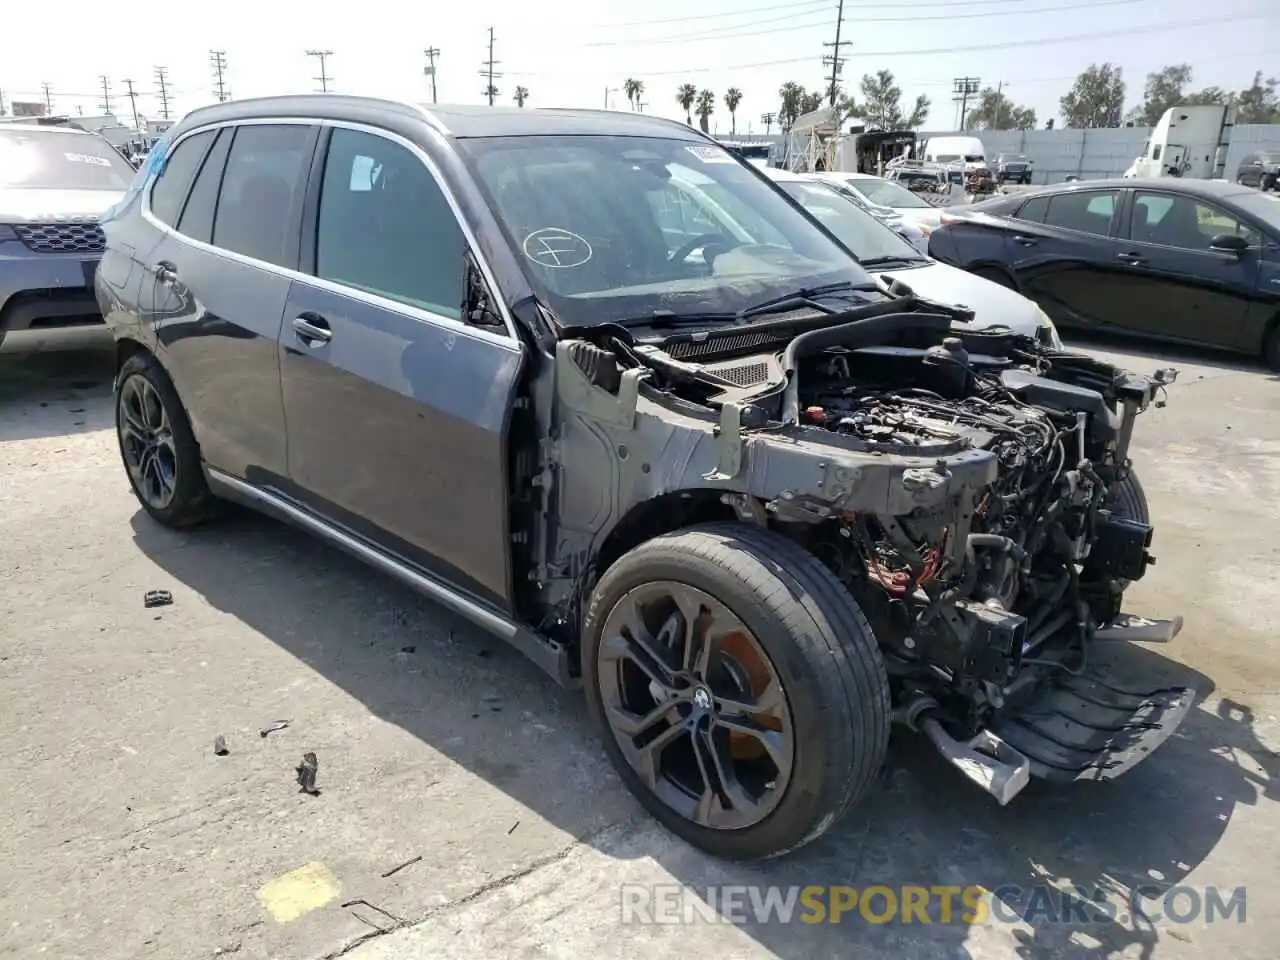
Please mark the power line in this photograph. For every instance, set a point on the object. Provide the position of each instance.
(486, 69)
(962, 88)
(430, 68)
(324, 78)
(722, 34)
(133, 102)
(218, 60)
(972, 48)
(106, 93)
(162, 82)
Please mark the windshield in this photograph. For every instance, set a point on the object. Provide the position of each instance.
(38, 159)
(867, 237)
(611, 228)
(886, 193)
(1264, 206)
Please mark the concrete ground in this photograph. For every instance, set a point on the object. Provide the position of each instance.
(465, 807)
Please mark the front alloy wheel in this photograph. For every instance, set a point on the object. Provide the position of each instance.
(695, 705)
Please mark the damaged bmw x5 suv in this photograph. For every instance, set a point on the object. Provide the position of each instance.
(594, 383)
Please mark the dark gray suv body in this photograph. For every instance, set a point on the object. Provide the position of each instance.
(55, 182)
(596, 384)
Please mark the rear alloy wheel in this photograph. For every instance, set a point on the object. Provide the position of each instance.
(739, 689)
(157, 446)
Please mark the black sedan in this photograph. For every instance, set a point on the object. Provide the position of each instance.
(1191, 261)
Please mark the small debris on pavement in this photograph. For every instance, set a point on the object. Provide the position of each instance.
(408, 649)
(483, 653)
(307, 771)
(277, 725)
(220, 746)
(157, 598)
(513, 828)
(401, 866)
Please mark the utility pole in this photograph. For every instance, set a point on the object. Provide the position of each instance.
(607, 91)
(835, 61)
(962, 88)
(1, 102)
(324, 78)
(218, 59)
(106, 93)
(162, 81)
(133, 101)
(430, 68)
(768, 120)
(999, 102)
(48, 99)
(486, 70)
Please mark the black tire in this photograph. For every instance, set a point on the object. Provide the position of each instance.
(824, 656)
(1128, 500)
(1271, 348)
(191, 502)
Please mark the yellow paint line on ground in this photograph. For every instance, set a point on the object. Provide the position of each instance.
(300, 891)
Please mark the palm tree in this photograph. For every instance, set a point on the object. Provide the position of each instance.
(521, 95)
(705, 108)
(634, 89)
(686, 93)
(491, 92)
(733, 97)
(790, 93)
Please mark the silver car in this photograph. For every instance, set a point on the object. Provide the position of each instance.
(55, 182)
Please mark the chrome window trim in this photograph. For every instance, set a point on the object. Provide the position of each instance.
(508, 339)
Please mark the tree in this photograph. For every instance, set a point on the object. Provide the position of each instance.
(881, 107)
(995, 111)
(1096, 99)
(810, 101)
(520, 96)
(706, 106)
(791, 94)
(1258, 102)
(1164, 88)
(732, 98)
(686, 93)
(491, 92)
(634, 89)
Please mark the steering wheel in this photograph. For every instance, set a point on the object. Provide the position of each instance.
(703, 240)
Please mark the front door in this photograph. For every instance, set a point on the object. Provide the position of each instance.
(1190, 292)
(396, 409)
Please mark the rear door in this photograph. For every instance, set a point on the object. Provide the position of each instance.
(1182, 289)
(397, 409)
(1062, 250)
(219, 280)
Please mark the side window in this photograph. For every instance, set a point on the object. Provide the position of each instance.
(1155, 153)
(197, 215)
(1089, 212)
(170, 188)
(385, 227)
(1034, 210)
(262, 191)
(1182, 222)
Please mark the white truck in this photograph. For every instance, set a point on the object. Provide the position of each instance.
(1187, 142)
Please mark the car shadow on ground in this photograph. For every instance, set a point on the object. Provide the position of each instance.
(51, 393)
(920, 825)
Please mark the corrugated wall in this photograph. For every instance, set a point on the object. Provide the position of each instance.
(1088, 154)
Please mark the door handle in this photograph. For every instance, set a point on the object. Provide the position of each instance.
(1024, 240)
(1134, 258)
(165, 271)
(312, 330)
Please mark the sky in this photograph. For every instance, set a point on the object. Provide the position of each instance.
(578, 53)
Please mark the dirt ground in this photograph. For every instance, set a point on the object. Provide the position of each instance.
(444, 754)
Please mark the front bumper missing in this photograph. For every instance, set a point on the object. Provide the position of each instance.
(1076, 727)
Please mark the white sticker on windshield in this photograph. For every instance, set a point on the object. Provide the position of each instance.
(88, 158)
(711, 154)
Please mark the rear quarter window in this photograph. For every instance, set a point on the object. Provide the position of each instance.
(169, 191)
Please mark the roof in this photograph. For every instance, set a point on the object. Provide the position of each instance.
(454, 120)
(1207, 189)
(44, 128)
(784, 176)
(846, 175)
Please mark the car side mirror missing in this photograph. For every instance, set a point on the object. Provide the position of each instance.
(478, 308)
(1230, 243)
